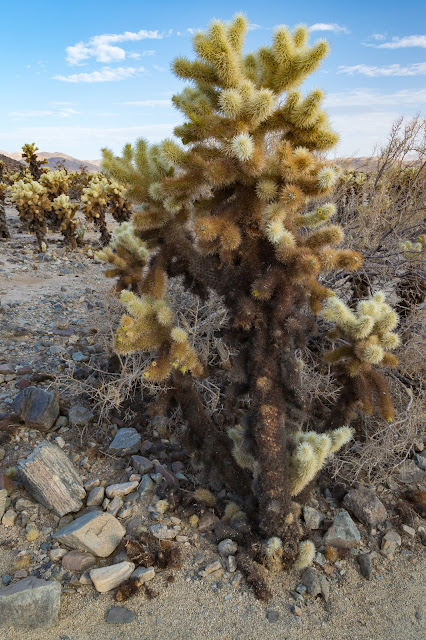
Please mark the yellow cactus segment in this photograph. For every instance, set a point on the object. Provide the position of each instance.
(272, 552)
(242, 147)
(306, 555)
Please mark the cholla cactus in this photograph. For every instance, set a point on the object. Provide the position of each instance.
(56, 182)
(65, 211)
(94, 201)
(4, 232)
(240, 206)
(34, 164)
(128, 256)
(32, 201)
(367, 337)
(119, 206)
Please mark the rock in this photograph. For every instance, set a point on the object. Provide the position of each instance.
(9, 518)
(85, 578)
(272, 616)
(142, 464)
(343, 533)
(207, 521)
(126, 442)
(6, 579)
(121, 489)
(80, 416)
(114, 506)
(3, 499)
(365, 567)
(49, 476)
(78, 561)
(108, 578)
(2, 453)
(390, 542)
(97, 532)
(23, 383)
(410, 472)
(78, 356)
(366, 506)
(146, 486)
(6, 483)
(95, 497)
(31, 603)
(316, 583)
(65, 520)
(408, 530)
(231, 564)
(161, 532)
(57, 554)
(213, 566)
(120, 615)
(22, 573)
(312, 517)
(420, 459)
(91, 484)
(168, 476)
(6, 369)
(144, 574)
(227, 548)
(39, 409)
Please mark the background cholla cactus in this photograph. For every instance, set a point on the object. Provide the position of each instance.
(32, 201)
(34, 164)
(4, 233)
(94, 204)
(56, 182)
(119, 206)
(241, 208)
(65, 211)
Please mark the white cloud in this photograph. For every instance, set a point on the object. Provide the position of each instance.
(378, 36)
(103, 47)
(416, 69)
(148, 103)
(402, 43)
(322, 26)
(370, 98)
(254, 27)
(360, 132)
(43, 113)
(141, 54)
(106, 74)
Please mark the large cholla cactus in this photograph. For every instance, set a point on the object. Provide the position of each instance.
(119, 206)
(241, 208)
(32, 201)
(64, 211)
(34, 164)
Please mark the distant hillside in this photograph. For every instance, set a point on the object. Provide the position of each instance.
(10, 163)
(58, 158)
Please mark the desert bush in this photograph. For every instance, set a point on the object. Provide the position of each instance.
(229, 212)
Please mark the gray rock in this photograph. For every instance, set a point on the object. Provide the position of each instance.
(144, 574)
(78, 561)
(227, 548)
(364, 561)
(161, 532)
(9, 518)
(126, 442)
(78, 356)
(121, 489)
(390, 542)
(316, 583)
(3, 498)
(108, 578)
(39, 409)
(142, 464)
(312, 517)
(95, 497)
(97, 532)
(207, 521)
(410, 472)
(366, 506)
(272, 616)
(146, 486)
(120, 615)
(114, 506)
(343, 533)
(80, 416)
(231, 564)
(30, 604)
(49, 476)
(420, 459)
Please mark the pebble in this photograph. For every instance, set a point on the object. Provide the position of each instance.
(161, 532)
(9, 518)
(56, 554)
(365, 567)
(316, 583)
(312, 517)
(97, 532)
(107, 578)
(142, 464)
(409, 530)
(207, 521)
(214, 566)
(114, 506)
(121, 489)
(38, 408)
(390, 542)
(343, 532)
(78, 561)
(144, 574)
(120, 615)
(80, 416)
(366, 506)
(95, 496)
(227, 548)
(231, 564)
(272, 616)
(126, 442)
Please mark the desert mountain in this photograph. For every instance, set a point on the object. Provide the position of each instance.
(58, 158)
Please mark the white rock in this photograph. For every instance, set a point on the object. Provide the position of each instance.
(121, 489)
(144, 574)
(96, 532)
(108, 578)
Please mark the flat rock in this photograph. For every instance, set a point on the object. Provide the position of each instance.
(80, 416)
(120, 615)
(115, 505)
(78, 561)
(97, 532)
(390, 542)
(343, 532)
(126, 442)
(108, 578)
(50, 477)
(38, 408)
(312, 517)
(144, 574)
(142, 464)
(121, 489)
(366, 506)
(316, 583)
(95, 497)
(365, 568)
(31, 603)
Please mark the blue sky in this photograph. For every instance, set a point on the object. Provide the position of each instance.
(81, 75)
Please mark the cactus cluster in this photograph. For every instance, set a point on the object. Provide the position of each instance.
(241, 206)
(32, 201)
(102, 195)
